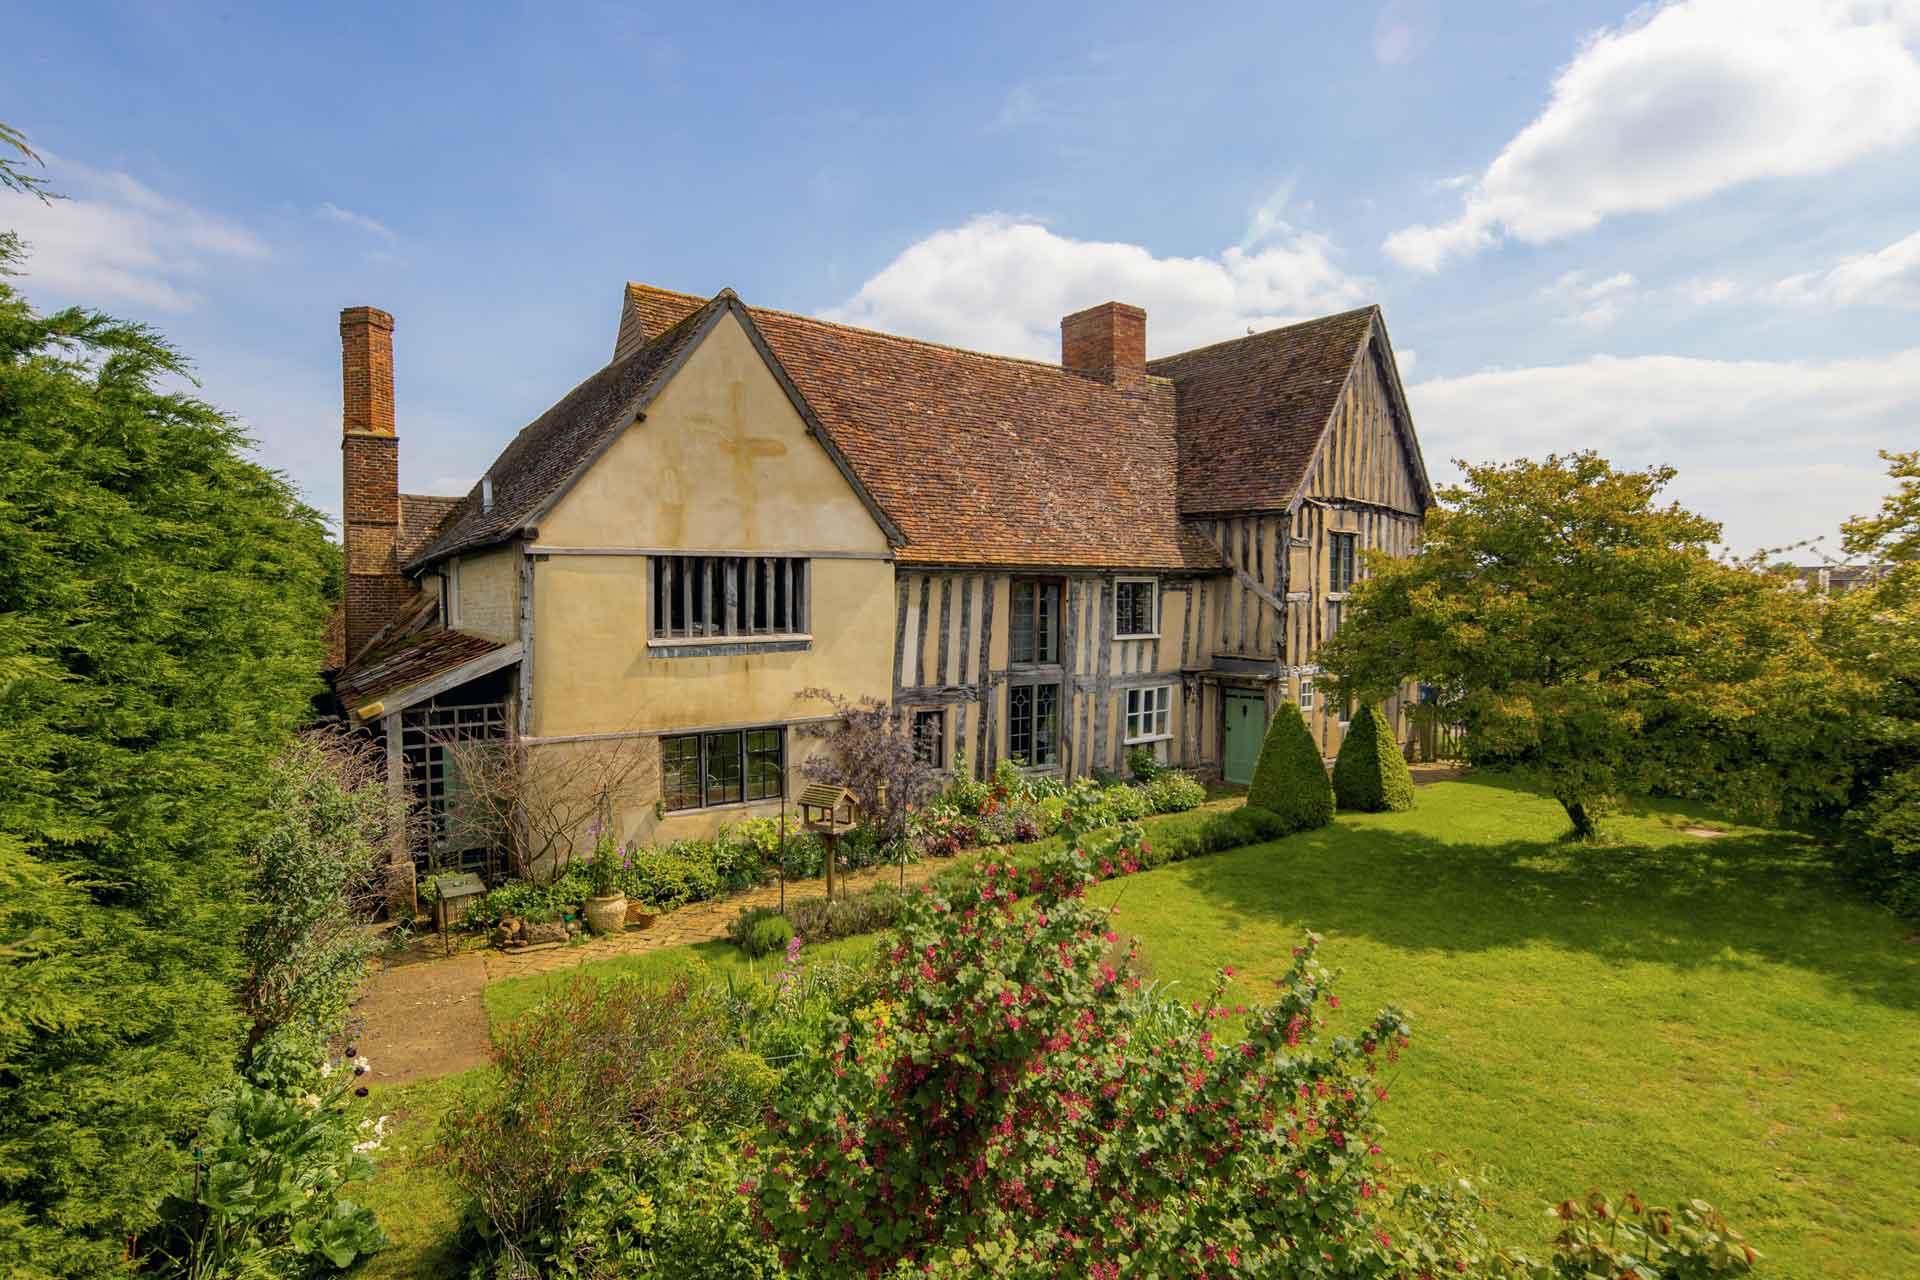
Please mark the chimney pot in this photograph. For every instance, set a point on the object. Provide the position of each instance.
(1107, 342)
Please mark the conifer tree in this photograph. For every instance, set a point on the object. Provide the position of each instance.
(161, 611)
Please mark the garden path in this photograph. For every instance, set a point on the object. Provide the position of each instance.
(424, 1013)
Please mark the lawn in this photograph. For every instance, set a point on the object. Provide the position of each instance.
(1677, 1015)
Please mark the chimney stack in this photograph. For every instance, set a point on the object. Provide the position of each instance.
(1107, 342)
(370, 476)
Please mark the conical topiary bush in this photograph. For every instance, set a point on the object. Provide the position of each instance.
(1290, 781)
(1371, 776)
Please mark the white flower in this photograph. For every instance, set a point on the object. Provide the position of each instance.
(312, 1100)
(326, 1069)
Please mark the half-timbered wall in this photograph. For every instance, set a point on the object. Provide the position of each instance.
(1275, 607)
(952, 652)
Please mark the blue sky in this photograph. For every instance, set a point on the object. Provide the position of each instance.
(1685, 233)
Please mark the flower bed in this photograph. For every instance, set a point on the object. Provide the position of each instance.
(1008, 809)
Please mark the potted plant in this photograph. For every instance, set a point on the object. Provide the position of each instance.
(606, 908)
(641, 914)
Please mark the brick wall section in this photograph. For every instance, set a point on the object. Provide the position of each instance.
(1108, 342)
(370, 475)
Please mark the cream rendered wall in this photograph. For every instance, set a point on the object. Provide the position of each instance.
(722, 463)
(489, 583)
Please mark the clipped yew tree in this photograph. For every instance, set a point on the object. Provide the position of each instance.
(1371, 776)
(1290, 781)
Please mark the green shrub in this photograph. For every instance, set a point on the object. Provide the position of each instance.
(1290, 781)
(1143, 764)
(742, 924)
(1126, 804)
(266, 1194)
(597, 1075)
(768, 936)
(818, 920)
(1598, 1237)
(1370, 775)
(671, 1212)
(1173, 791)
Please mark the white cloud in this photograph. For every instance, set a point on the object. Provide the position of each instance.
(1777, 450)
(1687, 99)
(116, 239)
(1398, 33)
(372, 226)
(1001, 283)
(1596, 303)
(1706, 291)
(1890, 276)
(1406, 358)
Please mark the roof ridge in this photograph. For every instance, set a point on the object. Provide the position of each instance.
(1266, 333)
(875, 333)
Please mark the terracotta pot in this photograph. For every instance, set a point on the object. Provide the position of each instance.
(640, 916)
(608, 914)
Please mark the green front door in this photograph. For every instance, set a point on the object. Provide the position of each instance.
(1246, 729)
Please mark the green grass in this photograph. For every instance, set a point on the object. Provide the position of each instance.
(416, 1204)
(1679, 1016)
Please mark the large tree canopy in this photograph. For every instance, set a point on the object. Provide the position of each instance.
(1585, 634)
(161, 614)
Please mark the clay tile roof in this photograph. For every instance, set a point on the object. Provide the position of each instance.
(1252, 410)
(979, 459)
(421, 515)
(408, 661)
(552, 448)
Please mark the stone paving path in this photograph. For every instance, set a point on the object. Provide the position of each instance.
(424, 1013)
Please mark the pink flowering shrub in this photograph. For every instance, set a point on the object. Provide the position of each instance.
(1008, 1100)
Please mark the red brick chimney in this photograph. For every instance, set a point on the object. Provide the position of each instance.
(1108, 342)
(370, 475)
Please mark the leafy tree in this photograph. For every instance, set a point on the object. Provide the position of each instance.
(1876, 635)
(1595, 644)
(1290, 779)
(1893, 534)
(1371, 776)
(160, 635)
(12, 177)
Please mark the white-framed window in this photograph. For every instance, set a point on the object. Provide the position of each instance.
(1136, 610)
(1148, 712)
(1306, 693)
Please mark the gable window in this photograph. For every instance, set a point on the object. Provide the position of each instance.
(1033, 723)
(930, 738)
(704, 596)
(1343, 563)
(698, 770)
(1134, 613)
(1147, 713)
(1033, 633)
